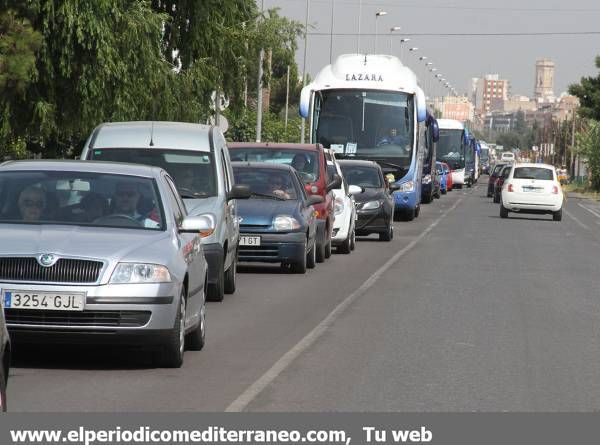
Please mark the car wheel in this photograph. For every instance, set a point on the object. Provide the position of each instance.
(3, 383)
(388, 235)
(353, 239)
(427, 199)
(320, 246)
(216, 291)
(172, 354)
(311, 257)
(444, 191)
(503, 211)
(328, 248)
(346, 246)
(195, 340)
(300, 265)
(410, 215)
(230, 277)
(438, 194)
(557, 216)
(417, 211)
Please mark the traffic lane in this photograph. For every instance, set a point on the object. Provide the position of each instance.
(247, 333)
(585, 212)
(485, 314)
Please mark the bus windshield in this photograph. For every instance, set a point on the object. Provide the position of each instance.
(485, 154)
(365, 124)
(450, 148)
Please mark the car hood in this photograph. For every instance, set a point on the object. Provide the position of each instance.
(370, 194)
(197, 207)
(105, 244)
(262, 211)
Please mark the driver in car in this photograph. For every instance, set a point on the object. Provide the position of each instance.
(277, 187)
(392, 137)
(125, 203)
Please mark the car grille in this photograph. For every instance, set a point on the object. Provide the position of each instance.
(265, 251)
(74, 318)
(66, 270)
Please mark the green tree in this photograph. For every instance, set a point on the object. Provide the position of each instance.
(99, 61)
(588, 145)
(18, 46)
(588, 92)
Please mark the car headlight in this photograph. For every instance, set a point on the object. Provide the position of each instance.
(338, 206)
(371, 205)
(407, 186)
(426, 179)
(140, 273)
(285, 222)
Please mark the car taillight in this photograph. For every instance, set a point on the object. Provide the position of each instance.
(510, 188)
(555, 190)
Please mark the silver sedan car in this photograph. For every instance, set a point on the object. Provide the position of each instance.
(101, 252)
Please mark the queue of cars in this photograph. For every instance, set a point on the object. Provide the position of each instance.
(126, 245)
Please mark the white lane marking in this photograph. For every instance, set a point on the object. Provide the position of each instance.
(593, 212)
(570, 215)
(286, 360)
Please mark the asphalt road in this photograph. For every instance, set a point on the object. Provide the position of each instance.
(462, 311)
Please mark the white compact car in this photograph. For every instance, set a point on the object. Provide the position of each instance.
(532, 188)
(343, 235)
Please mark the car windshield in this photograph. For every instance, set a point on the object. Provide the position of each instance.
(365, 124)
(77, 198)
(544, 174)
(306, 162)
(266, 182)
(367, 177)
(450, 148)
(192, 171)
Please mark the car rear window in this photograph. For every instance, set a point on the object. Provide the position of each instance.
(544, 174)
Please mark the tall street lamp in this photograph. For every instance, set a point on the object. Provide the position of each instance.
(377, 15)
(392, 30)
(402, 42)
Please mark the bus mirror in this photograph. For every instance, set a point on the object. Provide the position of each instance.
(421, 104)
(435, 131)
(304, 102)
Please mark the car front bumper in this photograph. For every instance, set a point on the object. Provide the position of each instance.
(405, 200)
(372, 221)
(112, 313)
(274, 247)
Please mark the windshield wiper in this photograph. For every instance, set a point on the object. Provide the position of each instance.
(390, 164)
(194, 195)
(264, 195)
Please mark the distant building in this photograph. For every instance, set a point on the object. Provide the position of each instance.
(565, 106)
(544, 81)
(459, 108)
(490, 92)
(519, 103)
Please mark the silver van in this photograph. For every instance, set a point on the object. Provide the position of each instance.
(197, 158)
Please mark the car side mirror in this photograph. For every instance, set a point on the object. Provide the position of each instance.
(314, 199)
(355, 190)
(239, 191)
(202, 224)
(394, 187)
(335, 184)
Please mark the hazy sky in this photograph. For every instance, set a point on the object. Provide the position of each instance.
(460, 57)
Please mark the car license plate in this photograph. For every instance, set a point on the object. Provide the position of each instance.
(249, 240)
(533, 189)
(17, 299)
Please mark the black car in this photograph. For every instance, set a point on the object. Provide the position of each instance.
(492, 179)
(278, 223)
(374, 200)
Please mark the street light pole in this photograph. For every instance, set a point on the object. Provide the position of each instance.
(377, 15)
(303, 121)
(395, 28)
(359, 20)
(331, 31)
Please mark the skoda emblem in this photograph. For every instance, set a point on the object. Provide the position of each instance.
(47, 259)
